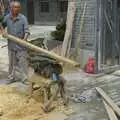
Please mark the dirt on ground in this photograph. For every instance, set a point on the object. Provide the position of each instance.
(14, 106)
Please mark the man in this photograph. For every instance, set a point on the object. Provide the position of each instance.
(17, 26)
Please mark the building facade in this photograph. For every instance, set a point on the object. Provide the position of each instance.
(46, 12)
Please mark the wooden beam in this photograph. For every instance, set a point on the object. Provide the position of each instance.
(38, 49)
(110, 112)
(69, 26)
(109, 101)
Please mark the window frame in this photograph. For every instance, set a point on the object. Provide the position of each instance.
(44, 8)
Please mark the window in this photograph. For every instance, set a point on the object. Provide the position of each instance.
(44, 5)
(63, 6)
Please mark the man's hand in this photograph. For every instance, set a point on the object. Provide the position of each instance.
(26, 36)
(4, 32)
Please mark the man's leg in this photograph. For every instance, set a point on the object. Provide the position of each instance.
(12, 62)
(23, 64)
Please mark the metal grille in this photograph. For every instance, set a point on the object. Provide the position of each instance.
(100, 30)
(88, 34)
(85, 25)
(110, 42)
(108, 29)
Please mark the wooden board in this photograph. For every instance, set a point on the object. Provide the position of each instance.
(69, 26)
(110, 112)
(109, 101)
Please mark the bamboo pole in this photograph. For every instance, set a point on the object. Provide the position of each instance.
(110, 112)
(38, 49)
(69, 26)
(109, 101)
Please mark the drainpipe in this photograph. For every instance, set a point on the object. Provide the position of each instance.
(98, 35)
(114, 37)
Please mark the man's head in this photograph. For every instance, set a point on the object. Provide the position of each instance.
(15, 7)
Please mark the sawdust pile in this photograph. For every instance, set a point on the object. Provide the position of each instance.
(14, 106)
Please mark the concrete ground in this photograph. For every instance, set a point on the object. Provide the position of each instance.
(85, 100)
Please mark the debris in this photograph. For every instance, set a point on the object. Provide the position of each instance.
(86, 96)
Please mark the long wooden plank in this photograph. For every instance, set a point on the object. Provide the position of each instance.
(69, 26)
(110, 112)
(38, 49)
(109, 101)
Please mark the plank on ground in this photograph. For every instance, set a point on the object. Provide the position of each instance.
(109, 101)
(110, 112)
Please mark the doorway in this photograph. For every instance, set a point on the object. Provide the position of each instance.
(30, 11)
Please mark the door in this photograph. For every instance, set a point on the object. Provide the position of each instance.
(30, 11)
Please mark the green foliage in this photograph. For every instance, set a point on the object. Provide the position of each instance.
(60, 32)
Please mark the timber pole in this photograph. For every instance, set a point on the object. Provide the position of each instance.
(108, 100)
(38, 49)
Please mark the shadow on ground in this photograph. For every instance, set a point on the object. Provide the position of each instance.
(3, 74)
